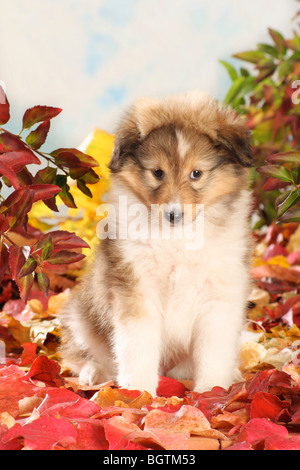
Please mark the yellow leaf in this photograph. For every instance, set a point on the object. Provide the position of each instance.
(56, 301)
(279, 260)
(257, 262)
(83, 220)
(294, 241)
(251, 355)
(101, 148)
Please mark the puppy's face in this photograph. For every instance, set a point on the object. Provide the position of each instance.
(177, 167)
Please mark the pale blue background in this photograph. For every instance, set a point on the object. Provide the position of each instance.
(93, 57)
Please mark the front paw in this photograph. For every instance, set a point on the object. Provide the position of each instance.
(90, 374)
(138, 384)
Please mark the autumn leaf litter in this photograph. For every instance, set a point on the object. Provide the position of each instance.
(42, 407)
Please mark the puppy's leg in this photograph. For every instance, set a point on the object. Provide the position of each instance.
(137, 345)
(85, 349)
(216, 345)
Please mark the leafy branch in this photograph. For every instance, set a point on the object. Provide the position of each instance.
(268, 96)
(28, 262)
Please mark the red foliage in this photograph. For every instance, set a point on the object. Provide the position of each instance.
(16, 154)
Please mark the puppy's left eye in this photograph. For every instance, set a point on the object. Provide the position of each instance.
(159, 174)
(196, 175)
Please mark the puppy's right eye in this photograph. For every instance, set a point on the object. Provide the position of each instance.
(159, 174)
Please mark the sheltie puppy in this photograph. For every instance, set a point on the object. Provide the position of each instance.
(173, 305)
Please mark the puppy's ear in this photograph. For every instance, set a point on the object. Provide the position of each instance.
(235, 139)
(126, 141)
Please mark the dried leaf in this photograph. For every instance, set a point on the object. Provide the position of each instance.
(38, 114)
(37, 137)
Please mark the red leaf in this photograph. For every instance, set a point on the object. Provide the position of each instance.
(274, 183)
(17, 159)
(294, 258)
(279, 443)
(38, 114)
(274, 250)
(28, 354)
(4, 258)
(10, 174)
(90, 436)
(168, 387)
(43, 433)
(257, 430)
(45, 370)
(65, 257)
(44, 191)
(43, 282)
(71, 157)
(67, 404)
(266, 405)
(240, 446)
(67, 240)
(116, 433)
(12, 200)
(4, 107)
(37, 137)
(16, 260)
(14, 387)
(25, 284)
(45, 176)
(10, 142)
(28, 267)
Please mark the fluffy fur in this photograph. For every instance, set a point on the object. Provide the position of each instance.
(151, 307)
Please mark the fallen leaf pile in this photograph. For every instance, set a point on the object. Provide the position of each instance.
(42, 407)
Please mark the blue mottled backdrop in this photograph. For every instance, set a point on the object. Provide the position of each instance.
(93, 57)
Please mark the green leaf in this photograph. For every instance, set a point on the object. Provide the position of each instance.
(65, 257)
(67, 197)
(37, 137)
(278, 40)
(90, 177)
(239, 89)
(295, 56)
(284, 69)
(267, 49)
(71, 157)
(28, 267)
(285, 157)
(60, 180)
(230, 69)
(266, 68)
(25, 284)
(250, 56)
(290, 216)
(83, 188)
(244, 72)
(276, 171)
(48, 248)
(46, 175)
(286, 201)
(43, 282)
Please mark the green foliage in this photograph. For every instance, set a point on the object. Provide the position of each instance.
(268, 95)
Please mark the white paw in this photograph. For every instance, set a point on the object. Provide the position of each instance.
(90, 374)
(139, 385)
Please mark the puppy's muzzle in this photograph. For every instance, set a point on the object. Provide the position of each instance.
(174, 216)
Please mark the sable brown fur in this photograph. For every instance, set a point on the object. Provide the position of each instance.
(141, 310)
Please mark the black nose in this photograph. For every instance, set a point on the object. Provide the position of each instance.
(173, 216)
